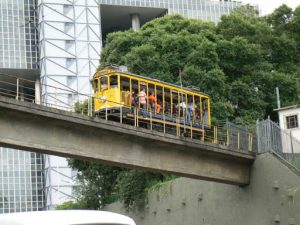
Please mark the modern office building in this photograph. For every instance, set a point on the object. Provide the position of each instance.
(21, 181)
(58, 43)
(28, 181)
(21, 177)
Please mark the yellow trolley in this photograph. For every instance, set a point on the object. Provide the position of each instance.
(119, 94)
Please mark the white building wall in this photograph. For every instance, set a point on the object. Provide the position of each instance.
(290, 144)
(59, 181)
(70, 44)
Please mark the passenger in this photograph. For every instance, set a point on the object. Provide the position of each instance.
(197, 116)
(152, 100)
(205, 116)
(174, 110)
(134, 100)
(167, 108)
(190, 108)
(158, 107)
(143, 101)
(182, 107)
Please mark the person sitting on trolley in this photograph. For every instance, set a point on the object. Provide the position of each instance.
(158, 107)
(134, 100)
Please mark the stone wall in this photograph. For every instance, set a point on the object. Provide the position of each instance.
(273, 197)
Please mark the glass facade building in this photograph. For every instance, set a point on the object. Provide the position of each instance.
(207, 10)
(21, 181)
(21, 177)
(18, 34)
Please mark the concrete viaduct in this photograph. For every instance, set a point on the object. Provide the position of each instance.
(31, 127)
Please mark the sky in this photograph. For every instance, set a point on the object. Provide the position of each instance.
(267, 6)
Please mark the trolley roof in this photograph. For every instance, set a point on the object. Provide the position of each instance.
(110, 71)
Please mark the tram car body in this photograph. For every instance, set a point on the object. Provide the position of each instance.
(118, 93)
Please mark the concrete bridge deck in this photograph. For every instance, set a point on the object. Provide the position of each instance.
(31, 127)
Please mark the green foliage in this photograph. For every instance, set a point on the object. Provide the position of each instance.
(281, 19)
(238, 57)
(163, 47)
(83, 107)
(244, 22)
(100, 185)
(96, 183)
(71, 205)
(238, 62)
(133, 186)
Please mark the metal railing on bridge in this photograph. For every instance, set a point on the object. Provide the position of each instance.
(234, 137)
(271, 138)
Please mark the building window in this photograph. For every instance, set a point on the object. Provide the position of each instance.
(291, 122)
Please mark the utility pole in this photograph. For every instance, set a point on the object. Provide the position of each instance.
(278, 98)
(181, 103)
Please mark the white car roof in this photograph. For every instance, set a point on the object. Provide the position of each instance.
(65, 217)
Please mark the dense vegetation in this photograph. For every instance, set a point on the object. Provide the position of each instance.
(239, 62)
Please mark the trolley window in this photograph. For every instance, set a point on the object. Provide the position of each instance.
(151, 97)
(96, 85)
(174, 103)
(113, 81)
(198, 109)
(190, 108)
(167, 101)
(125, 90)
(103, 83)
(205, 110)
(160, 99)
(134, 92)
(125, 83)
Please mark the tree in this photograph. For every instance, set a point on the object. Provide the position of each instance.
(100, 185)
(96, 183)
(244, 22)
(284, 54)
(164, 47)
(296, 25)
(238, 57)
(281, 19)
